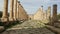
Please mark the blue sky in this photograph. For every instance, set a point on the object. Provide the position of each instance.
(31, 6)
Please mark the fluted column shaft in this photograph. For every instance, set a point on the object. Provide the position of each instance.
(15, 9)
(18, 9)
(11, 10)
(5, 12)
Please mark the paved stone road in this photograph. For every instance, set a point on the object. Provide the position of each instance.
(29, 27)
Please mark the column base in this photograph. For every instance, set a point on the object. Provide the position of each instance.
(4, 19)
(18, 19)
(15, 19)
(11, 19)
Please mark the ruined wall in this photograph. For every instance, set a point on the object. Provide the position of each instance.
(38, 15)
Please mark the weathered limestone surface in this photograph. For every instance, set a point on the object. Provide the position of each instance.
(15, 9)
(11, 10)
(43, 15)
(5, 11)
(54, 13)
(49, 13)
(25, 16)
(19, 12)
(39, 14)
(18, 9)
(22, 14)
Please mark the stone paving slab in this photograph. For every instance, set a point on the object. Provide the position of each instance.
(29, 31)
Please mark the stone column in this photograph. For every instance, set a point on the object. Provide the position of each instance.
(49, 13)
(11, 10)
(15, 10)
(5, 11)
(18, 9)
(54, 13)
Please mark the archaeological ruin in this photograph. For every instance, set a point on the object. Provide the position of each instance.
(17, 15)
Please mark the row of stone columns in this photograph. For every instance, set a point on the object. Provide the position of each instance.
(54, 14)
(22, 13)
(48, 14)
(15, 9)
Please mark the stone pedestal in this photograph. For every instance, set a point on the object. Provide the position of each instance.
(4, 19)
(11, 10)
(5, 12)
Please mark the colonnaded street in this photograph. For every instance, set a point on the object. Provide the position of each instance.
(16, 18)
